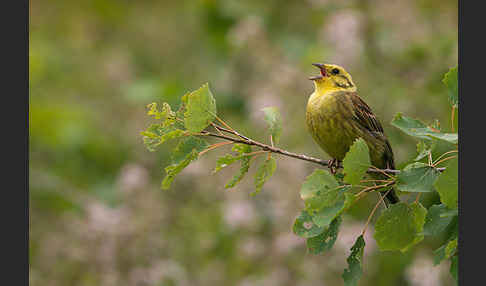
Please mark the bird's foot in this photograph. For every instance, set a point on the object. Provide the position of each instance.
(332, 165)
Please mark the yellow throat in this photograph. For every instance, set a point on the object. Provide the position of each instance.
(333, 78)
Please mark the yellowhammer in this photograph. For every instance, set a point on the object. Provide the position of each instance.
(336, 116)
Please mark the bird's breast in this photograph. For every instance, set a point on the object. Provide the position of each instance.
(328, 122)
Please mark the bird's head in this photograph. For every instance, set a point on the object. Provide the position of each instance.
(333, 77)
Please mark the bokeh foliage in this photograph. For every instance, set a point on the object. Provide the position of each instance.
(327, 196)
(97, 214)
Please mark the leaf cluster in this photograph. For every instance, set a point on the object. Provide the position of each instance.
(189, 126)
(400, 226)
(328, 196)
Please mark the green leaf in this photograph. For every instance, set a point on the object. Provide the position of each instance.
(423, 150)
(449, 213)
(324, 241)
(274, 120)
(450, 80)
(412, 127)
(163, 114)
(229, 159)
(304, 227)
(446, 251)
(449, 137)
(185, 152)
(453, 269)
(354, 271)
(451, 232)
(447, 184)
(241, 148)
(245, 164)
(264, 172)
(349, 199)
(400, 226)
(419, 215)
(417, 128)
(166, 114)
(186, 146)
(435, 223)
(324, 198)
(153, 110)
(356, 162)
(333, 203)
(157, 134)
(176, 133)
(225, 161)
(175, 169)
(200, 109)
(316, 189)
(150, 139)
(327, 214)
(439, 254)
(451, 248)
(417, 177)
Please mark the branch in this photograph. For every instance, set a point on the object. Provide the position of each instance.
(376, 187)
(245, 140)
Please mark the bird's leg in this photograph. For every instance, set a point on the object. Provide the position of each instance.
(332, 165)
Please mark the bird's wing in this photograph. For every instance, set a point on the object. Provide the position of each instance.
(364, 116)
(366, 119)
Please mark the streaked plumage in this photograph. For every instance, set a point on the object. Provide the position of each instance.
(336, 116)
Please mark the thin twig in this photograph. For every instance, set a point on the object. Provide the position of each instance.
(265, 147)
(224, 123)
(452, 117)
(408, 196)
(382, 172)
(234, 132)
(382, 199)
(453, 151)
(375, 187)
(214, 146)
(381, 181)
(443, 160)
(417, 198)
(245, 140)
(359, 198)
(254, 153)
(214, 125)
(373, 212)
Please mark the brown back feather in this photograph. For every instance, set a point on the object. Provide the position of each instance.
(367, 120)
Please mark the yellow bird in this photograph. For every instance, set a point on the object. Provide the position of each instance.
(336, 116)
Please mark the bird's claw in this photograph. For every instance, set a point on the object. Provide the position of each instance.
(332, 165)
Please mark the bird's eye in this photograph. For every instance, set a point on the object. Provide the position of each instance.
(335, 71)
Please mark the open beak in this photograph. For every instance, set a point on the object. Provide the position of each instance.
(322, 67)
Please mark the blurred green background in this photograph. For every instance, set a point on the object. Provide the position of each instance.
(97, 214)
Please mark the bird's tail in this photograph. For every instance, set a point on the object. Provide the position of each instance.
(390, 197)
(389, 194)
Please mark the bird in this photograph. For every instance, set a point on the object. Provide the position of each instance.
(336, 116)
